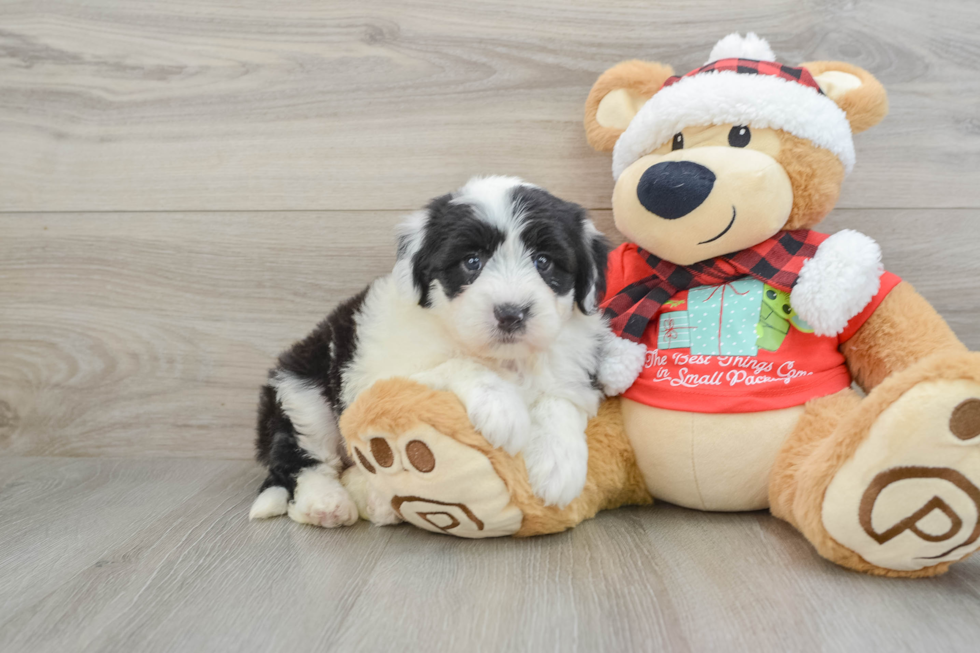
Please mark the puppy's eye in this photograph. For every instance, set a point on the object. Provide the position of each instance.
(739, 136)
(473, 263)
(542, 262)
(678, 143)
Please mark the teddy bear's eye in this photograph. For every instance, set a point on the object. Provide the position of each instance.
(739, 136)
(678, 143)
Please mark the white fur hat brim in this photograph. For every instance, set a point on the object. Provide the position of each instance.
(723, 97)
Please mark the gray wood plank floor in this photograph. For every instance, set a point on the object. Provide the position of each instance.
(158, 555)
(187, 187)
(165, 323)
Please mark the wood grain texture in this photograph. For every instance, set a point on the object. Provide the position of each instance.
(137, 555)
(248, 105)
(187, 187)
(164, 324)
(149, 334)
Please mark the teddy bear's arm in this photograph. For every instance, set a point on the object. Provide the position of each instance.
(904, 329)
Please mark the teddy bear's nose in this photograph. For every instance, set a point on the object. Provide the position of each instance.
(672, 189)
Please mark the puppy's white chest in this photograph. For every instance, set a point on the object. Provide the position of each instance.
(522, 375)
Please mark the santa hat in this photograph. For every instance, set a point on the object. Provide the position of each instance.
(741, 84)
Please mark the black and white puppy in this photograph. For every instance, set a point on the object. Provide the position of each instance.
(493, 297)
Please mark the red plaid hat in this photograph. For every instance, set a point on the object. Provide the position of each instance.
(753, 67)
(741, 84)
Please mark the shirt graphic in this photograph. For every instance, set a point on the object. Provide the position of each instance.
(736, 347)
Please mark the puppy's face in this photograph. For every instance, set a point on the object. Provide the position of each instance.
(504, 264)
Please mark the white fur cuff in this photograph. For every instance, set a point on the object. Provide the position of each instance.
(759, 101)
(838, 282)
(621, 362)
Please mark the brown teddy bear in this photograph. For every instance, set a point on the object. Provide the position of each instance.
(755, 327)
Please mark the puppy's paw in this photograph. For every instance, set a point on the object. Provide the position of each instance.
(557, 466)
(500, 415)
(319, 499)
(622, 361)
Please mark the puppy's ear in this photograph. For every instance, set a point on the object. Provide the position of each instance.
(617, 96)
(854, 89)
(590, 277)
(409, 234)
(417, 249)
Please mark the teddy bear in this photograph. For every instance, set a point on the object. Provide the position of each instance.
(755, 326)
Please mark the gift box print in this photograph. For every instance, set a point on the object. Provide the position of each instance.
(674, 331)
(724, 318)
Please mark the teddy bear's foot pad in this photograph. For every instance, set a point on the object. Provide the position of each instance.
(437, 483)
(909, 498)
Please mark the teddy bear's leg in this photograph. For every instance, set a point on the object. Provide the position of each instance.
(889, 484)
(416, 451)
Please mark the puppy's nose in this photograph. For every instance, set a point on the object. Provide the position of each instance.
(510, 317)
(672, 189)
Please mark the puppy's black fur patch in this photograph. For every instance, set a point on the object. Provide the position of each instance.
(320, 357)
(318, 360)
(452, 234)
(599, 251)
(276, 445)
(556, 228)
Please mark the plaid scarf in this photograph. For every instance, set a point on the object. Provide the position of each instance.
(776, 261)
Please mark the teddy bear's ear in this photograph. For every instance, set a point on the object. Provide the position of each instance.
(616, 97)
(855, 90)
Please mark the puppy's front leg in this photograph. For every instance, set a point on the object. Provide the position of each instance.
(495, 407)
(321, 500)
(557, 457)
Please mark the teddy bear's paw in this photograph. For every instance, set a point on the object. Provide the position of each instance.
(909, 498)
(319, 499)
(434, 482)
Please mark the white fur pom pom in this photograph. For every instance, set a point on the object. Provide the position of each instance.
(622, 361)
(736, 46)
(838, 282)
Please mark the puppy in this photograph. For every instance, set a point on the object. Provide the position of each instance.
(493, 297)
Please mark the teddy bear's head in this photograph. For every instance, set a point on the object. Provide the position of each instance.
(726, 156)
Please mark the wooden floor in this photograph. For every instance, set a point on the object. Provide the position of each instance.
(187, 187)
(144, 555)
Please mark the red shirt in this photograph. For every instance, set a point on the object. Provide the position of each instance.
(727, 349)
